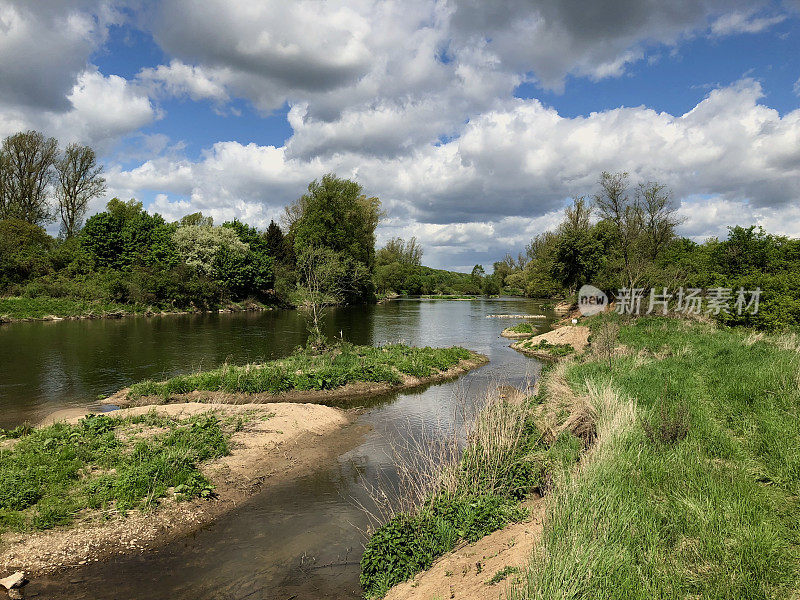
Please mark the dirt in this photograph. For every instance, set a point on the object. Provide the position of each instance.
(278, 441)
(467, 571)
(576, 336)
(352, 390)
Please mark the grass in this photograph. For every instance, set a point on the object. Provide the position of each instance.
(305, 370)
(691, 488)
(50, 476)
(554, 350)
(16, 308)
(505, 459)
(522, 328)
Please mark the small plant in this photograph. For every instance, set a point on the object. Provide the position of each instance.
(502, 574)
(522, 328)
(671, 422)
(604, 340)
(553, 349)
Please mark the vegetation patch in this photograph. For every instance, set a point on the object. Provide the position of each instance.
(306, 370)
(51, 476)
(521, 330)
(505, 459)
(555, 350)
(693, 483)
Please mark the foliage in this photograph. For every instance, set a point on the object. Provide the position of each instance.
(336, 215)
(78, 180)
(26, 172)
(53, 473)
(24, 252)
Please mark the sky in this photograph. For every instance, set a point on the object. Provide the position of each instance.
(474, 122)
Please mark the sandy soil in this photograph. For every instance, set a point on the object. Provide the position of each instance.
(465, 573)
(279, 441)
(353, 390)
(575, 335)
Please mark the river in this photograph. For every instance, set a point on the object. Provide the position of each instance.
(300, 539)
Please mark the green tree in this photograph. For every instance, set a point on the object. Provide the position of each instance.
(336, 215)
(125, 235)
(24, 252)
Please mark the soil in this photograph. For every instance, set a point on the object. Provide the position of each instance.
(352, 390)
(278, 441)
(576, 336)
(467, 571)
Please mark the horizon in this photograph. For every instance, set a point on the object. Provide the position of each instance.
(473, 125)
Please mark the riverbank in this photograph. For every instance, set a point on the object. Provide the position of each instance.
(345, 371)
(558, 343)
(686, 484)
(691, 487)
(22, 309)
(112, 503)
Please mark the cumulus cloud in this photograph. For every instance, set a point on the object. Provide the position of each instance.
(509, 171)
(44, 47)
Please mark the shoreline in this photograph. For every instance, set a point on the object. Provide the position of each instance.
(287, 440)
(349, 391)
(125, 314)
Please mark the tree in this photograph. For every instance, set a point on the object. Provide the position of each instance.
(78, 180)
(27, 163)
(478, 273)
(400, 251)
(336, 215)
(660, 218)
(24, 252)
(196, 219)
(275, 242)
(322, 275)
(125, 235)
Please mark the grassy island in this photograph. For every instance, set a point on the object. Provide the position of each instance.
(305, 371)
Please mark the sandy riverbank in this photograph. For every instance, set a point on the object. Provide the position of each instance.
(278, 441)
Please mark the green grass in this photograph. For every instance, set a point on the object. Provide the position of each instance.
(307, 371)
(522, 328)
(51, 475)
(555, 350)
(505, 460)
(15, 308)
(707, 509)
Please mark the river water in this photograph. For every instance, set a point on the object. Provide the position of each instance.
(299, 539)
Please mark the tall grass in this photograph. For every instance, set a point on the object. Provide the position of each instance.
(709, 513)
(305, 370)
(461, 489)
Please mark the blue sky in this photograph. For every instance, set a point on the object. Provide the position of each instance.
(473, 122)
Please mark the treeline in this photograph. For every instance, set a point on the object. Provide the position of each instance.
(625, 237)
(326, 250)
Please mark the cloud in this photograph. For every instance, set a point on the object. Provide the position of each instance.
(101, 110)
(510, 170)
(743, 22)
(45, 46)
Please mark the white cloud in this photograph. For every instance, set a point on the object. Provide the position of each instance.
(743, 22)
(509, 172)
